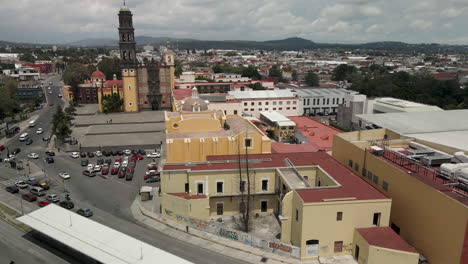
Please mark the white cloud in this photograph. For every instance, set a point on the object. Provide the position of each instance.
(322, 21)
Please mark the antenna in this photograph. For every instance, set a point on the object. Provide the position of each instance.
(124, 2)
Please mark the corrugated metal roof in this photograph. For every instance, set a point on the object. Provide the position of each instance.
(93, 239)
(323, 92)
(283, 93)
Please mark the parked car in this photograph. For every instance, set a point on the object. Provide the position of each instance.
(44, 185)
(67, 204)
(152, 179)
(12, 189)
(154, 155)
(32, 182)
(115, 153)
(28, 141)
(152, 166)
(89, 173)
(124, 163)
(53, 198)
(98, 153)
(138, 156)
(16, 151)
(100, 162)
(38, 191)
(75, 155)
(130, 170)
(50, 152)
(21, 184)
(142, 152)
(108, 161)
(43, 203)
(120, 152)
(33, 156)
(90, 155)
(83, 154)
(118, 159)
(86, 212)
(90, 167)
(127, 152)
(132, 164)
(115, 170)
(2, 147)
(64, 175)
(152, 172)
(121, 173)
(105, 153)
(49, 160)
(97, 168)
(105, 171)
(133, 151)
(84, 163)
(129, 176)
(39, 131)
(9, 158)
(156, 174)
(29, 197)
(116, 164)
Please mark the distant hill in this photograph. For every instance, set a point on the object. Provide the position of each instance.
(94, 42)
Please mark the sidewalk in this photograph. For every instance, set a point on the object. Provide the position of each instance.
(199, 238)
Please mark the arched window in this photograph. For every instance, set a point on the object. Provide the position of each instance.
(123, 37)
(124, 55)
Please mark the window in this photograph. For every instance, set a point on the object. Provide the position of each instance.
(129, 87)
(350, 163)
(274, 102)
(266, 103)
(294, 102)
(376, 219)
(395, 228)
(265, 185)
(280, 102)
(281, 108)
(235, 112)
(364, 172)
(219, 187)
(338, 246)
(187, 188)
(294, 108)
(242, 186)
(245, 104)
(200, 188)
(288, 108)
(297, 215)
(259, 103)
(246, 109)
(266, 109)
(333, 101)
(219, 208)
(130, 104)
(263, 206)
(260, 109)
(252, 103)
(385, 186)
(328, 100)
(339, 216)
(323, 101)
(375, 179)
(356, 252)
(274, 108)
(248, 142)
(251, 109)
(288, 102)
(356, 166)
(369, 175)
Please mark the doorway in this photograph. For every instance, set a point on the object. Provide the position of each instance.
(219, 208)
(312, 248)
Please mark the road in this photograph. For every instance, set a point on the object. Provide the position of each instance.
(110, 199)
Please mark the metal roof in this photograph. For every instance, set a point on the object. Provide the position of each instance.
(93, 239)
(323, 92)
(274, 116)
(283, 93)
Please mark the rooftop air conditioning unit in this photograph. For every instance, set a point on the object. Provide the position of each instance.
(435, 160)
(377, 150)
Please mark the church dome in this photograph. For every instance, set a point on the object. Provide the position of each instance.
(194, 105)
(98, 75)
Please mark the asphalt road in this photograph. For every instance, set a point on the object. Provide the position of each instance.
(110, 199)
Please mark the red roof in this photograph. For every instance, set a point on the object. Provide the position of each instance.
(352, 185)
(98, 74)
(188, 196)
(385, 237)
(315, 131)
(181, 94)
(279, 147)
(445, 75)
(111, 83)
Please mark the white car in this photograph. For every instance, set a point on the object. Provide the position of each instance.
(154, 155)
(151, 172)
(125, 163)
(64, 175)
(39, 131)
(98, 153)
(33, 156)
(10, 158)
(90, 167)
(50, 92)
(48, 88)
(21, 184)
(117, 164)
(127, 152)
(75, 155)
(97, 168)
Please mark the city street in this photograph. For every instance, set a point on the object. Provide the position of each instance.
(109, 198)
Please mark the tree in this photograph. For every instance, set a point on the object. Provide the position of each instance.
(275, 72)
(342, 72)
(28, 57)
(110, 66)
(198, 64)
(61, 124)
(256, 86)
(312, 79)
(230, 53)
(217, 68)
(75, 74)
(177, 68)
(251, 72)
(201, 78)
(112, 103)
(70, 110)
(294, 75)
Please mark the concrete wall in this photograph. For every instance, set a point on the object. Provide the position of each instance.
(173, 206)
(428, 219)
(369, 254)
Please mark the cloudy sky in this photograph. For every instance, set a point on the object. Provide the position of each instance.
(333, 21)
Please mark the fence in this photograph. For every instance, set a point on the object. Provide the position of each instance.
(274, 246)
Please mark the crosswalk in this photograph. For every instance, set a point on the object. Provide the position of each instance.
(38, 175)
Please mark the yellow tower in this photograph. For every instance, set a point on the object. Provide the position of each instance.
(130, 89)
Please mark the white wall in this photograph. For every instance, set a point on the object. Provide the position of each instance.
(254, 107)
(227, 108)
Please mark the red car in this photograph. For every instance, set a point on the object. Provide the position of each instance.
(122, 173)
(105, 171)
(130, 170)
(29, 197)
(2, 147)
(152, 166)
(115, 170)
(147, 176)
(118, 159)
(43, 203)
(51, 104)
(138, 157)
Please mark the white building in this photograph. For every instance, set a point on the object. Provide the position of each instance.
(229, 77)
(321, 101)
(23, 74)
(282, 101)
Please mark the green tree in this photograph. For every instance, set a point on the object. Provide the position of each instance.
(198, 64)
(294, 75)
(112, 103)
(251, 72)
(201, 78)
(217, 68)
(28, 57)
(311, 79)
(61, 124)
(110, 66)
(178, 68)
(275, 72)
(70, 110)
(74, 75)
(230, 53)
(256, 86)
(9, 103)
(342, 72)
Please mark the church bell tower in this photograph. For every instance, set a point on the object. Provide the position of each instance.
(128, 59)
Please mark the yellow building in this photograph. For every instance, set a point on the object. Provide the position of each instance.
(282, 128)
(67, 93)
(112, 87)
(429, 210)
(195, 132)
(318, 201)
(130, 87)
